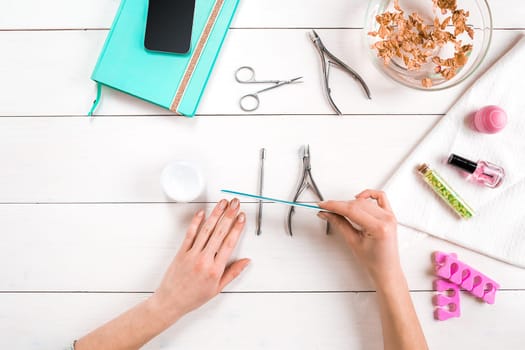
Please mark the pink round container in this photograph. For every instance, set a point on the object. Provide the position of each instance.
(490, 119)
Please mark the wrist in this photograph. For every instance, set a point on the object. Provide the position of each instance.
(163, 311)
(387, 279)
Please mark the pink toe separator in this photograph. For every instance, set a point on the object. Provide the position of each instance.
(450, 268)
(447, 302)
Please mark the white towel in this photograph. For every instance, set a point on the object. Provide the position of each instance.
(498, 227)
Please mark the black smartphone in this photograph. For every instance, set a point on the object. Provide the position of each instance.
(169, 25)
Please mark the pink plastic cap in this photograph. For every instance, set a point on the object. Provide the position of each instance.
(490, 119)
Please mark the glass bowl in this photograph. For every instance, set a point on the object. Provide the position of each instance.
(480, 20)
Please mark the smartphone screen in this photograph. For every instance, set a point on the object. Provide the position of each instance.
(169, 25)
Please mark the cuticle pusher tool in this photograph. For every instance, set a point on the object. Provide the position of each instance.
(260, 191)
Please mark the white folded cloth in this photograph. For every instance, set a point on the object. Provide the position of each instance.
(498, 227)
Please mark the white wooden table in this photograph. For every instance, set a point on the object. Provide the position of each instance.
(86, 232)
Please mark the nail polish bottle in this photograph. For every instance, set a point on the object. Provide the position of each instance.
(482, 172)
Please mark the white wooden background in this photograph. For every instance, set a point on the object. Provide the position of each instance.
(86, 231)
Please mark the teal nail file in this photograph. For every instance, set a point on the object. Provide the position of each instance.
(280, 201)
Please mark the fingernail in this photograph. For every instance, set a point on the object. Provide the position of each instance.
(322, 215)
(200, 213)
(234, 203)
(242, 217)
(222, 203)
(248, 261)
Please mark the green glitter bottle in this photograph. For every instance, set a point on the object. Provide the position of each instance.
(445, 192)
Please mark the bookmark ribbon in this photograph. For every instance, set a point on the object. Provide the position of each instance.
(97, 100)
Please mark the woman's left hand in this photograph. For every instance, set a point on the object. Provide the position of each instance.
(200, 269)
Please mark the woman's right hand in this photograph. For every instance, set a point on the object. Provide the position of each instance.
(374, 243)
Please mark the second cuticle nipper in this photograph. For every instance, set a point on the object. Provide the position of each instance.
(306, 181)
(328, 59)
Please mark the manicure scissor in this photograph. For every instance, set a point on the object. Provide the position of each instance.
(244, 102)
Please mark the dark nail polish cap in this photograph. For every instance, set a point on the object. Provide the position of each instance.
(462, 163)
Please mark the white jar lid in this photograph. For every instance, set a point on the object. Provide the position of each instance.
(182, 181)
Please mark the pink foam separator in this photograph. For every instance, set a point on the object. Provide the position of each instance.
(450, 268)
(446, 302)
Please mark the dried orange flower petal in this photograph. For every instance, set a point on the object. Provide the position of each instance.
(412, 40)
(426, 82)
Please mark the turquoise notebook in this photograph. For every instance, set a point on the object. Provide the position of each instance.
(173, 81)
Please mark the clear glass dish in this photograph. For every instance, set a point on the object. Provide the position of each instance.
(480, 20)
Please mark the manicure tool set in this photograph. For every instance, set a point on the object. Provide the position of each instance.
(306, 182)
(251, 102)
